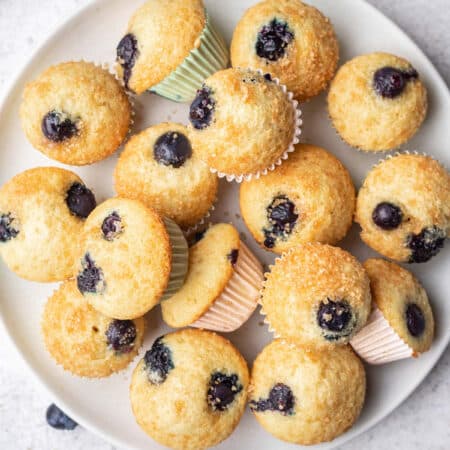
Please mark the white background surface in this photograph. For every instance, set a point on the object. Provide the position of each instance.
(422, 422)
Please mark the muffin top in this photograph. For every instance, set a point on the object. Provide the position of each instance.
(84, 341)
(190, 389)
(162, 31)
(309, 198)
(377, 101)
(76, 113)
(317, 294)
(306, 396)
(403, 303)
(160, 168)
(241, 122)
(292, 41)
(42, 211)
(403, 207)
(124, 259)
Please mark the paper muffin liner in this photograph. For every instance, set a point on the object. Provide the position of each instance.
(239, 298)
(210, 56)
(201, 223)
(295, 140)
(378, 343)
(180, 258)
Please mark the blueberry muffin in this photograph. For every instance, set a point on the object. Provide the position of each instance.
(309, 198)
(292, 41)
(317, 294)
(403, 208)
(377, 101)
(242, 123)
(126, 260)
(306, 396)
(42, 211)
(76, 113)
(170, 47)
(84, 341)
(190, 389)
(160, 168)
(402, 323)
(222, 285)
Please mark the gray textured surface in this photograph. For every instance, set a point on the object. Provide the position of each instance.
(422, 422)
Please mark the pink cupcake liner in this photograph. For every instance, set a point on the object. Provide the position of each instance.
(239, 298)
(378, 343)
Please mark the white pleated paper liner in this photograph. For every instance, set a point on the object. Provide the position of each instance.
(239, 298)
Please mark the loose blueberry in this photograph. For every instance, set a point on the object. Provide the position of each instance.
(202, 108)
(58, 127)
(7, 230)
(280, 399)
(90, 279)
(282, 217)
(334, 316)
(426, 244)
(387, 216)
(233, 256)
(222, 390)
(58, 419)
(172, 149)
(112, 226)
(121, 335)
(415, 320)
(80, 200)
(127, 53)
(273, 39)
(158, 362)
(390, 82)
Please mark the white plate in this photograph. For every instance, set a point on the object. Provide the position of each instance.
(102, 405)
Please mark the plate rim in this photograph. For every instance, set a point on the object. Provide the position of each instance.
(9, 90)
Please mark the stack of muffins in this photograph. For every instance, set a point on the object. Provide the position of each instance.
(118, 260)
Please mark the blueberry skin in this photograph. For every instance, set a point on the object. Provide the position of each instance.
(158, 362)
(80, 200)
(90, 279)
(334, 315)
(57, 127)
(172, 149)
(58, 419)
(7, 231)
(426, 244)
(111, 226)
(127, 53)
(202, 109)
(282, 216)
(281, 399)
(121, 335)
(233, 256)
(273, 39)
(387, 216)
(389, 82)
(415, 320)
(222, 390)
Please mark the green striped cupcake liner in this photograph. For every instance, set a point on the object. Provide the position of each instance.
(180, 258)
(209, 57)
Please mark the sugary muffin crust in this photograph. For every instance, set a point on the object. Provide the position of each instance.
(292, 41)
(190, 390)
(306, 396)
(160, 168)
(84, 341)
(317, 294)
(377, 101)
(309, 198)
(403, 208)
(76, 113)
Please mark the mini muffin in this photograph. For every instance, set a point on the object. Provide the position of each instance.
(317, 294)
(160, 168)
(85, 342)
(401, 324)
(222, 285)
(290, 40)
(128, 258)
(403, 208)
(377, 102)
(170, 47)
(309, 198)
(306, 396)
(190, 389)
(76, 113)
(243, 123)
(42, 211)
